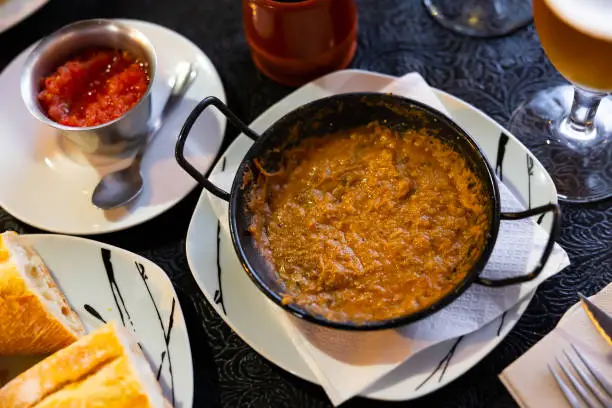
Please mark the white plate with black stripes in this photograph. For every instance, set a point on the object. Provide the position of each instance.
(102, 283)
(217, 270)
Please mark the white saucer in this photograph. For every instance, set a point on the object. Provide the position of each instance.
(13, 11)
(130, 290)
(217, 269)
(42, 186)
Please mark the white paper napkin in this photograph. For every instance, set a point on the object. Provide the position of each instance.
(528, 378)
(345, 363)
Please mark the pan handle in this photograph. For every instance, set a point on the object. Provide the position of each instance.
(179, 153)
(554, 234)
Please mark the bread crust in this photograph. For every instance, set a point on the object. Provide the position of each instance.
(95, 371)
(28, 328)
(26, 324)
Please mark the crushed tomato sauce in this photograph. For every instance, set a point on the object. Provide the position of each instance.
(94, 87)
(369, 224)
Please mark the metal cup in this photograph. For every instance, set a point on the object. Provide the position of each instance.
(109, 139)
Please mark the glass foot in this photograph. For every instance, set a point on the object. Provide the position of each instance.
(481, 18)
(579, 163)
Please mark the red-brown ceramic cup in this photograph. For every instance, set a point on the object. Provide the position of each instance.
(294, 42)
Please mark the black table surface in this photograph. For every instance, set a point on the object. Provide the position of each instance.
(395, 37)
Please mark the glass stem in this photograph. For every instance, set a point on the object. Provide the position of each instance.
(582, 116)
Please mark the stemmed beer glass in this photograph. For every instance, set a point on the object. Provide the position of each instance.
(569, 128)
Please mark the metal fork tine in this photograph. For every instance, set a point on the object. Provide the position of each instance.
(586, 397)
(590, 382)
(569, 394)
(605, 384)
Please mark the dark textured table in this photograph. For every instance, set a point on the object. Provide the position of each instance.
(395, 37)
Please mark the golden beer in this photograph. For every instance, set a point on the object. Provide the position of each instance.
(577, 38)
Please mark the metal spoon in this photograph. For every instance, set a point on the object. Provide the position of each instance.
(122, 186)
